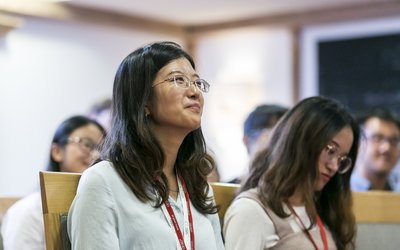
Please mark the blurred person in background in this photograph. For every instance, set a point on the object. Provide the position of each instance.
(257, 128)
(73, 148)
(379, 151)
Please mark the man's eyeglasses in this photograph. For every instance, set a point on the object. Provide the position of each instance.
(184, 82)
(85, 144)
(394, 141)
(343, 162)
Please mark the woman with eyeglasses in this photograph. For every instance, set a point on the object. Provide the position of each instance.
(73, 149)
(151, 190)
(297, 195)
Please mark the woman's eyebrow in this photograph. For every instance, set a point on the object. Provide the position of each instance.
(338, 146)
(180, 72)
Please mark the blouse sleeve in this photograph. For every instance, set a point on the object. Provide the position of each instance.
(22, 227)
(92, 222)
(247, 226)
(216, 224)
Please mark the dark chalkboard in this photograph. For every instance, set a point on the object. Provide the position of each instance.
(362, 72)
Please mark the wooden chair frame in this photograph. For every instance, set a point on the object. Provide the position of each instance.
(378, 220)
(376, 207)
(224, 194)
(58, 191)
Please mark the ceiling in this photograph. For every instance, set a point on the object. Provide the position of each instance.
(192, 13)
(192, 16)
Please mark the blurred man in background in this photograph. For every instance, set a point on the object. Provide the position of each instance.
(379, 151)
(257, 128)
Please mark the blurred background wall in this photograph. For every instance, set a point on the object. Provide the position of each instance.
(50, 70)
(56, 65)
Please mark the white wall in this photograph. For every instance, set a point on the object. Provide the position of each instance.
(245, 67)
(48, 71)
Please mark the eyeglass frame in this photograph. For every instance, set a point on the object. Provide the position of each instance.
(187, 82)
(93, 148)
(339, 158)
(380, 138)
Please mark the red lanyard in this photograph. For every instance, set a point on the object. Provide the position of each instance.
(322, 232)
(305, 230)
(175, 222)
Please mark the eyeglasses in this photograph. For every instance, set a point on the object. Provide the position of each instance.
(343, 162)
(184, 82)
(254, 134)
(85, 144)
(394, 141)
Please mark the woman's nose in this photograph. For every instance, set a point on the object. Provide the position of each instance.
(333, 165)
(194, 91)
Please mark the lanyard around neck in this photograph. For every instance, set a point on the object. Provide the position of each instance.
(187, 238)
(307, 232)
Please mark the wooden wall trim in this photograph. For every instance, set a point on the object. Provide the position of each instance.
(105, 17)
(295, 64)
(296, 19)
(65, 12)
(309, 17)
(8, 23)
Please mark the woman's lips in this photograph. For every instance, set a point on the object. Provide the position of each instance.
(195, 107)
(325, 177)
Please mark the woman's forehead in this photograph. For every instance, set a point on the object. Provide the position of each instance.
(180, 65)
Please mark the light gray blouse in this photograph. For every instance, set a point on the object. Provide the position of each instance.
(106, 214)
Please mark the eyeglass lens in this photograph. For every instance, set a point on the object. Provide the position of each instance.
(343, 162)
(379, 139)
(85, 144)
(184, 82)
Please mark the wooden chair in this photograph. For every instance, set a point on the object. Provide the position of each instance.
(5, 204)
(58, 191)
(224, 194)
(378, 220)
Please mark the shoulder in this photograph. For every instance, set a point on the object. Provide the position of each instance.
(25, 214)
(245, 204)
(98, 175)
(102, 182)
(102, 168)
(28, 206)
(358, 182)
(247, 210)
(260, 231)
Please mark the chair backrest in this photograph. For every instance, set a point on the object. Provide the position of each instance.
(5, 203)
(377, 215)
(224, 194)
(378, 220)
(377, 207)
(58, 191)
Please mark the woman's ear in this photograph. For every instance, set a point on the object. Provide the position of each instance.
(57, 153)
(146, 111)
